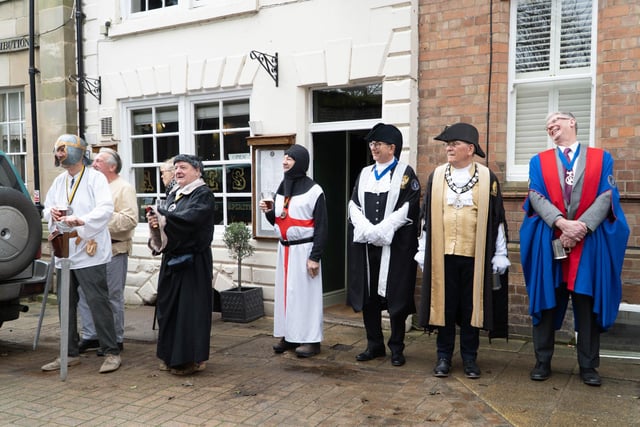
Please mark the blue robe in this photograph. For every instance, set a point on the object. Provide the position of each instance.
(599, 269)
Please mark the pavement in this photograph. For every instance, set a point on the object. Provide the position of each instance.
(246, 384)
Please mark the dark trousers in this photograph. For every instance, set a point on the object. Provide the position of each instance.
(588, 344)
(458, 302)
(93, 281)
(372, 316)
(372, 310)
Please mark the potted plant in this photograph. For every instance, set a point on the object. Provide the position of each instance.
(240, 304)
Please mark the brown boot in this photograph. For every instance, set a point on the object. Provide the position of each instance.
(308, 349)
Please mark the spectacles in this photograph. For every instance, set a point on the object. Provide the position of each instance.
(376, 144)
(548, 128)
(451, 143)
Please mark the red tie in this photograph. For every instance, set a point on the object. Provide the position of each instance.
(568, 177)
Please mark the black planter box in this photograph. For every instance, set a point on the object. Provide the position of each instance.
(241, 306)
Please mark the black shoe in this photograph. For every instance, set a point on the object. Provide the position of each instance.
(471, 369)
(541, 372)
(85, 345)
(100, 353)
(590, 377)
(284, 345)
(369, 354)
(308, 349)
(442, 368)
(397, 359)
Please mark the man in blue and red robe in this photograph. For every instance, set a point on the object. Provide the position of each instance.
(572, 199)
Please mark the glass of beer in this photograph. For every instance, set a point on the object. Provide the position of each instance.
(267, 198)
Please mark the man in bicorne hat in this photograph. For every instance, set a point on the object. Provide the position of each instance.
(462, 246)
(384, 211)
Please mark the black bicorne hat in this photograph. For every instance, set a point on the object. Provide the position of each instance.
(388, 134)
(462, 132)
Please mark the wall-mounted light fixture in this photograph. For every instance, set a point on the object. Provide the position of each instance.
(268, 62)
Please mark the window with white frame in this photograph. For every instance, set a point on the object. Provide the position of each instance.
(552, 56)
(216, 130)
(145, 5)
(12, 129)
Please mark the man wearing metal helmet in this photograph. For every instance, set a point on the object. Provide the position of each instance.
(384, 211)
(463, 242)
(79, 203)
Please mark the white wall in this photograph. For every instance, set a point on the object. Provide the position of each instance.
(184, 50)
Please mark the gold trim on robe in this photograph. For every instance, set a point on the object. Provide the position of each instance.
(438, 198)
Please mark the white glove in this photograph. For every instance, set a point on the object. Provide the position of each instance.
(500, 263)
(362, 228)
(383, 232)
(419, 256)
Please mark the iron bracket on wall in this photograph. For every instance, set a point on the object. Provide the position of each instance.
(93, 86)
(268, 62)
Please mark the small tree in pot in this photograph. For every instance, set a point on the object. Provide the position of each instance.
(238, 304)
(236, 239)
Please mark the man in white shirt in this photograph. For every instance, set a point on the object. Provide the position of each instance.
(79, 202)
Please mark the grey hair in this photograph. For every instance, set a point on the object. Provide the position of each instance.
(564, 114)
(114, 158)
(167, 165)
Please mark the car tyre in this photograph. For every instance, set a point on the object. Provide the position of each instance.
(20, 232)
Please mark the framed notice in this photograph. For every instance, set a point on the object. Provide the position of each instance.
(266, 158)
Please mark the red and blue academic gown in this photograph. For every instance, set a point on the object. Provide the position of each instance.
(594, 265)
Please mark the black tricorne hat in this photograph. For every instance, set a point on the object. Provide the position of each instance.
(462, 132)
(388, 134)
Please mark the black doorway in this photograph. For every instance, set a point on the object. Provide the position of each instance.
(338, 158)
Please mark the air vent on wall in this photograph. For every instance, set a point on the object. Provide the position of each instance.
(106, 126)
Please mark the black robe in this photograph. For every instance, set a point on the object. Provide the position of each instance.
(185, 290)
(495, 302)
(401, 279)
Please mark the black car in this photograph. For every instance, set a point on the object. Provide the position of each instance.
(22, 272)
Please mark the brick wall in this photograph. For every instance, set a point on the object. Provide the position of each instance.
(454, 67)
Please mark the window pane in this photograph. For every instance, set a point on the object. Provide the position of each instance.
(235, 146)
(354, 103)
(238, 178)
(213, 177)
(167, 119)
(218, 211)
(143, 202)
(533, 36)
(146, 180)
(4, 131)
(15, 109)
(239, 210)
(532, 106)
(208, 146)
(235, 114)
(16, 140)
(208, 116)
(142, 150)
(168, 146)
(141, 120)
(575, 39)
